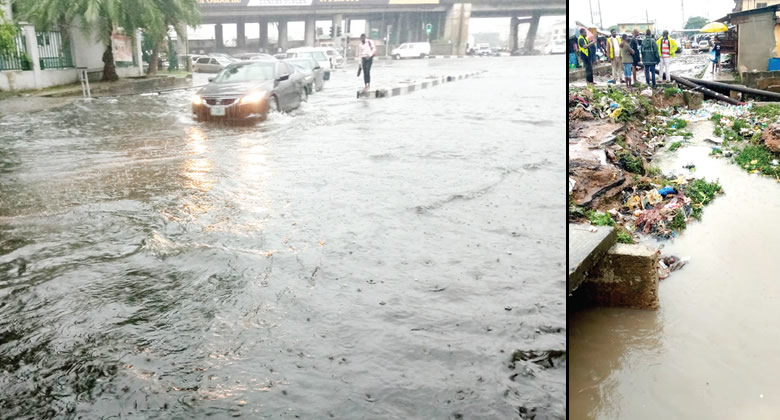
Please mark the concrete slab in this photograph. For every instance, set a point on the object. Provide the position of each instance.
(627, 276)
(587, 246)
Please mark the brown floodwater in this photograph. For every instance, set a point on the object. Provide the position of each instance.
(711, 350)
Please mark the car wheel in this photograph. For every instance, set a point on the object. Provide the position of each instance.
(396, 57)
(273, 104)
(422, 55)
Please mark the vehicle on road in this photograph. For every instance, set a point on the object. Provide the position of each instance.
(210, 64)
(704, 46)
(253, 56)
(314, 75)
(336, 59)
(317, 53)
(484, 50)
(411, 50)
(248, 90)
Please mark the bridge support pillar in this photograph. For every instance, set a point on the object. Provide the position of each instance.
(282, 38)
(308, 32)
(531, 37)
(513, 24)
(338, 22)
(219, 42)
(240, 34)
(263, 41)
(456, 27)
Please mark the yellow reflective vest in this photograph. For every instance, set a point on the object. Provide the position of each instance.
(582, 43)
(672, 46)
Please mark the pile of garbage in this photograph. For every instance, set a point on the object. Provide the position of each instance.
(613, 103)
(654, 211)
(669, 263)
(660, 207)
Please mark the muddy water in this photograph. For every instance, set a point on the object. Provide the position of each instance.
(710, 351)
(354, 259)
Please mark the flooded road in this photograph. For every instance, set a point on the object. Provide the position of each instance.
(352, 259)
(710, 350)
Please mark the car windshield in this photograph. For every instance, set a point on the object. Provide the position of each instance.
(302, 64)
(246, 73)
(317, 55)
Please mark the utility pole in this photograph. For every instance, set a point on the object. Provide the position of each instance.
(601, 20)
(682, 13)
(590, 3)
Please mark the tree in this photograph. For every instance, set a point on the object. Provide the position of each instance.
(696, 22)
(104, 17)
(7, 34)
(159, 17)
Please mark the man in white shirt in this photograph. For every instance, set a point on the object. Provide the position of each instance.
(613, 46)
(367, 53)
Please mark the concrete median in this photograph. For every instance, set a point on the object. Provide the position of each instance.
(412, 87)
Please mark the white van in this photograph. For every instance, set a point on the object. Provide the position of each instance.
(411, 50)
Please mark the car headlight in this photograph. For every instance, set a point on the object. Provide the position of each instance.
(253, 98)
(197, 100)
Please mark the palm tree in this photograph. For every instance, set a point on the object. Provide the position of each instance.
(162, 15)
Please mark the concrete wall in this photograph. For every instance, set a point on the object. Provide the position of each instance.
(757, 42)
(87, 50)
(24, 80)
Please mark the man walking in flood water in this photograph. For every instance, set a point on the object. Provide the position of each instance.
(367, 53)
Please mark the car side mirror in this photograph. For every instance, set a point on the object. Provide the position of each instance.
(283, 77)
(211, 79)
(317, 68)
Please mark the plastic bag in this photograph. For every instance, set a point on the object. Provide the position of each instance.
(712, 56)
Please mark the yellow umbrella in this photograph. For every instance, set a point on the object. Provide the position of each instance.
(714, 27)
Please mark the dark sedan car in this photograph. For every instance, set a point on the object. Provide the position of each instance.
(248, 90)
(314, 75)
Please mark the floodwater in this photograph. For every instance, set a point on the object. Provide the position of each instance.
(710, 351)
(352, 259)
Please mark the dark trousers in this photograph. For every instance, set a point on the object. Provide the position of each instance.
(588, 68)
(367, 61)
(650, 69)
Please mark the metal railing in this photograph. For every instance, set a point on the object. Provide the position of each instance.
(53, 53)
(16, 58)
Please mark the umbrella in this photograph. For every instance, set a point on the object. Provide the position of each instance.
(714, 27)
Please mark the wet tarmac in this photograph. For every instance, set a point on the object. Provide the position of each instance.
(709, 351)
(352, 259)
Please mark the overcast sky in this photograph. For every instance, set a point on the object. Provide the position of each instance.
(666, 13)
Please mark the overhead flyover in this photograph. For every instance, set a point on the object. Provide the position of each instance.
(398, 20)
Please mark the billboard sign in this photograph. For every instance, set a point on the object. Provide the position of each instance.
(279, 3)
(122, 47)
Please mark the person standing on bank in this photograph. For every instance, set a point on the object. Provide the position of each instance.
(636, 45)
(613, 47)
(367, 53)
(666, 49)
(627, 57)
(585, 49)
(650, 57)
(716, 60)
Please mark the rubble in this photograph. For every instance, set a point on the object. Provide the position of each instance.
(613, 137)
